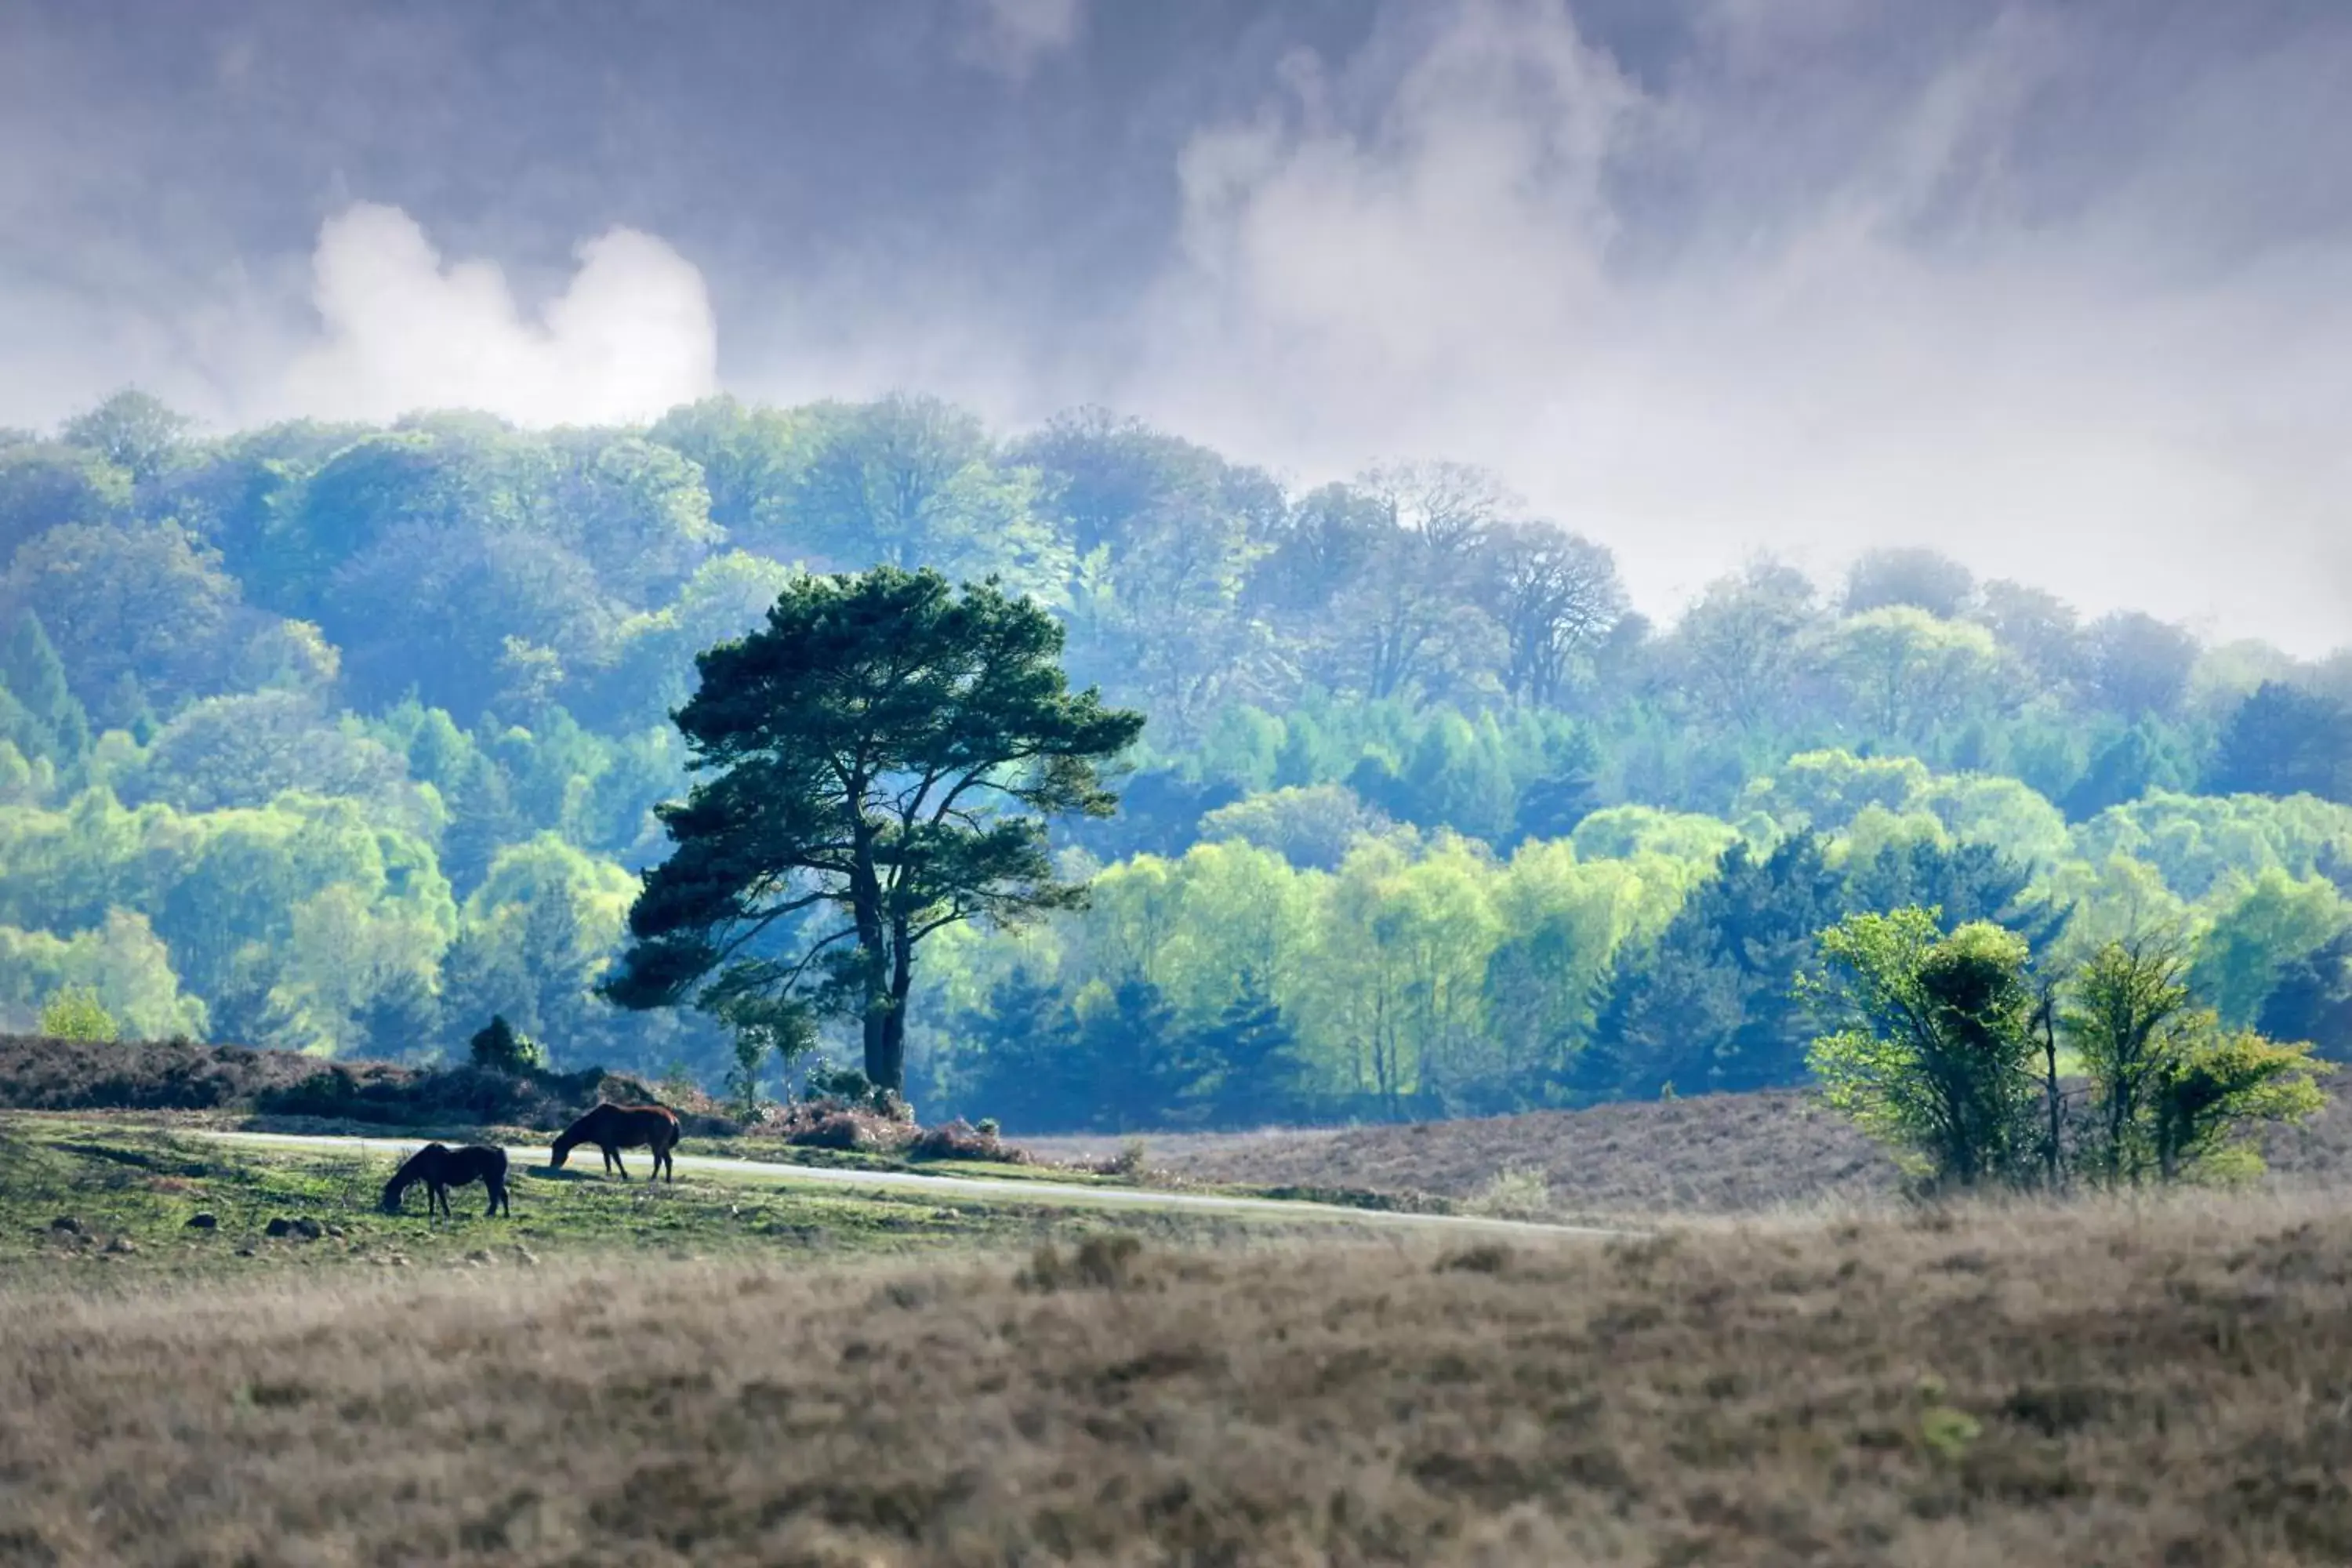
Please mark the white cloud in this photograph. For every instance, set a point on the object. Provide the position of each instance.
(631, 336)
(1751, 304)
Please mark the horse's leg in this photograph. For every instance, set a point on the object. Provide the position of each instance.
(620, 1165)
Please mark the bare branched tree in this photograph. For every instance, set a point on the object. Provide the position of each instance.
(1555, 594)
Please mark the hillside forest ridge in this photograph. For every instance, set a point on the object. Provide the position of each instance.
(348, 739)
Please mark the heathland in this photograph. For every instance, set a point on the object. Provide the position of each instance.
(215, 1352)
(706, 1375)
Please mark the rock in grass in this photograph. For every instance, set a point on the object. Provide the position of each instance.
(66, 1225)
(204, 1221)
(309, 1230)
(121, 1244)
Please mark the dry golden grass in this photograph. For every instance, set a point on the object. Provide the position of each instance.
(2170, 1385)
(1725, 1153)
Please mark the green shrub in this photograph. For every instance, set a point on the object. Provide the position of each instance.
(1935, 1061)
(75, 1012)
(499, 1049)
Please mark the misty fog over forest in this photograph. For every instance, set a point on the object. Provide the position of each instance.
(2057, 289)
(1585, 497)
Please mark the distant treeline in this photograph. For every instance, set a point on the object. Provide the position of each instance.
(345, 737)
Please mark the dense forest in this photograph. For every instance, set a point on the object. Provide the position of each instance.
(347, 737)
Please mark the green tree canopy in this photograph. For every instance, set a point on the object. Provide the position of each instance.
(133, 430)
(53, 724)
(142, 606)
(2174, 1093)
(75, 1012)
(2127, 1012)
(882, 755)
(913, 481)
(44, 485)
(1312, 828)
(496, 1045)
(1021, 1063)
(1904, 671)
(1924, 579)
(1937, 1059)
(1714, 1005)
(2285, 740)
(2139, 665)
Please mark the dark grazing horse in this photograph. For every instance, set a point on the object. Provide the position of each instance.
(612, 1128)
(440, 1167)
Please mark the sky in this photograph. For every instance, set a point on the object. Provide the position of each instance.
(2063, 290)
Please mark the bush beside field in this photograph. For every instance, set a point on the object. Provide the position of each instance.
(41, 1073)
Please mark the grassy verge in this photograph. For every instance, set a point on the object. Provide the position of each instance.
(761, 1151)
(771, 1150)
(128, 1194)
(775, 1151)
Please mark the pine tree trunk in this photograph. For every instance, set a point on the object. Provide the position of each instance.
(878, 1045)
(886, 1068)
(2050, 1088)
(873, 966)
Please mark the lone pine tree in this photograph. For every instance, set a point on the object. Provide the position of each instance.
(882, 757)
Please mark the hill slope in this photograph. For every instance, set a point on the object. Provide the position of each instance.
(1708, 1154)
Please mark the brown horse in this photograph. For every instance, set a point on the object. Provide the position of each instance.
(612, 1128)
(440, 1167)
